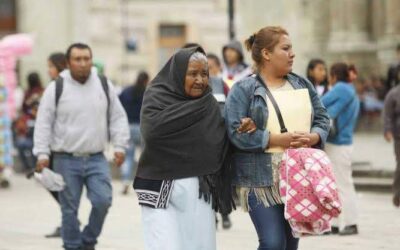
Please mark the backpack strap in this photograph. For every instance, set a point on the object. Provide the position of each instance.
(275, 104)
(59, 89)
(104, 84)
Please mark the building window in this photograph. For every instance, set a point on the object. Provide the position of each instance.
(8, 20)
(171, 38)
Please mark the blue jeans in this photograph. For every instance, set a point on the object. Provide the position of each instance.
(24, 144)
(129, 165)
(94, 173)
(274, 232)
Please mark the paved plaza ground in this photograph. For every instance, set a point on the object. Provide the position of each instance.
(27, 212)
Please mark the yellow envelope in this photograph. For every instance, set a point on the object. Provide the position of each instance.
(295, 107)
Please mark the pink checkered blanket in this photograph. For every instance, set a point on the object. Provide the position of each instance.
(308, 189)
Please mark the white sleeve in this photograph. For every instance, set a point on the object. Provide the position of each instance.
(119, 126)
(44, 123)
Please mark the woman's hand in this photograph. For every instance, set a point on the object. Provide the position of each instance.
(294, 140)
(304, 140)
(281, 140)
(247, 125)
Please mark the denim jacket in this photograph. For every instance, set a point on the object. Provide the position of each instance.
(247, 98)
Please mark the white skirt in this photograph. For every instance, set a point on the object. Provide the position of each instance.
(188, 223)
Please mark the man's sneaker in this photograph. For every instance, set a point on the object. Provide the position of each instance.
(226, 222)
(349, 230)
(55, 234)
(4, 183)
(334, 230)
(396, 201)
(125, 190)
(88, 247)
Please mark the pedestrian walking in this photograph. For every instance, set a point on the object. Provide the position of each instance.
(131, 99)
(235, 67)
(182, 177)
(391, 122)
(56, 63)
(25, 123)
(79, 113)
(257, 155)
(220, 91)
(317, 75)
(343, 108)
(6, 160)
(393, 74)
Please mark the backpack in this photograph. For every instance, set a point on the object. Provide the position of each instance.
(60, 86)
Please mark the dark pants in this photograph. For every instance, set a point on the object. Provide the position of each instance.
(24, 144)
(274, 232)
(396, 182)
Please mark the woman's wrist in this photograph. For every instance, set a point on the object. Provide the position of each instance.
(314, 139)
(273, 140)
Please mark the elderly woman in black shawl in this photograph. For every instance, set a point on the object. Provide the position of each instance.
(183, 172)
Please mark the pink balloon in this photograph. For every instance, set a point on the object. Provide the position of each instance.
(12, 47)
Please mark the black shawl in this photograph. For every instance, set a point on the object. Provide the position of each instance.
(184, 136)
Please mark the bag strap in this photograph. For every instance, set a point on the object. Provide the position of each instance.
(275, 104)
(104, 84)
(59, 89)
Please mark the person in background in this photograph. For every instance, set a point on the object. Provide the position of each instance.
(343, 108)
(317, 75)
(219, 88)
(6, 160)
(353, 73)
(391, 122)
(24, 125)
(56, 63)
(393, 75)
(220, 91)
(235, 67)
(131, 99)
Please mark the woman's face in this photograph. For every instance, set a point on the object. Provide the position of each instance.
(282, 57)
(352, 76)
(196, 79)
(213, 67)
(231, 56)
(52, 70)
(319, 73)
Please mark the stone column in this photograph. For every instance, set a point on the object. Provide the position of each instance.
(357, 21)
(338, 24)
(390, 36)
(349, 26)
(392, 20)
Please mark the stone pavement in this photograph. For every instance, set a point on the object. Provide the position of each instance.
(27, 212)
(372, 152)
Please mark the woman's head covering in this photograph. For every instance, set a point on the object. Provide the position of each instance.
(177, 128)
(172, 75)
(183, 136)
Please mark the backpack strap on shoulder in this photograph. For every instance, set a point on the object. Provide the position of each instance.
(59, 89)
(104, 84)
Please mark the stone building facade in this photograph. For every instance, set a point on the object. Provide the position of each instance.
(131, 35)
